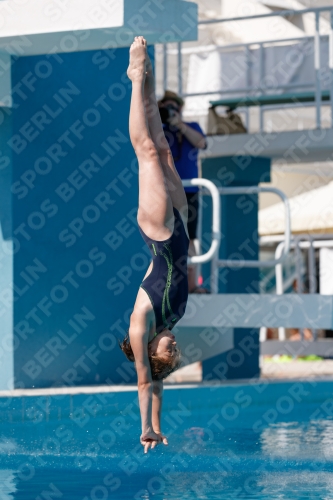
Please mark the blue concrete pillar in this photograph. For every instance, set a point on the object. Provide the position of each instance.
(79, 258)
(239, 216)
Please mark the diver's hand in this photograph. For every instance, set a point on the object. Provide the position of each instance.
(164, 439)
(150, 439)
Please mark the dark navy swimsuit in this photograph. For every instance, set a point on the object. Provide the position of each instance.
(166, 285)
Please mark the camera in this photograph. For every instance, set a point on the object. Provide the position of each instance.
(167, 112)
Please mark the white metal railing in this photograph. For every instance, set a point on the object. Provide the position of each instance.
(212, 254)
(302, 241)
(216, 220)
(287, 230)
(316, 84)
(216, 262)
(281, 13)
(281, 253)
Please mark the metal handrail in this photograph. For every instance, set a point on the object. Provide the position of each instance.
(212, 48)
(287, 231)
(212, 253)
(296, 243)
(310, 244)
(246, 45)
(281, 13)
(279, 272)
(252, 89)
(216, 220)
(278, 238)
(317, 58)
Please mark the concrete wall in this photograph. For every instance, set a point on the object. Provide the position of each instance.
(239, 228)
(80, 258)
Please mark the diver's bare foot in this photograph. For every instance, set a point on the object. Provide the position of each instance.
(136, 70)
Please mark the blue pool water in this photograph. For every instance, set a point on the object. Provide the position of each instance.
(257, 441)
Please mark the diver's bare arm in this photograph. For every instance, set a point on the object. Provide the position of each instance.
(145, 390)
(157, 405)
(139, 340)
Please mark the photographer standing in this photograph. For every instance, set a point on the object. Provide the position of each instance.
(185, 139)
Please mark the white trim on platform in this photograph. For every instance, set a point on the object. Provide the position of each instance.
(74, 391)
(99, 389)
(291, 146)
(323, 347)
(222, 311)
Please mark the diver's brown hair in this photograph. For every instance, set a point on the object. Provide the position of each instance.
(160, 367)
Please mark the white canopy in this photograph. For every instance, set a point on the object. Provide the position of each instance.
(311, 212)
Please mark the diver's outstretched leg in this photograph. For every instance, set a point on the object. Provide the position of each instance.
(156, 131)
(155, 214)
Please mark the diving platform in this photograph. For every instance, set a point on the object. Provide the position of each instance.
(257, 310)
(322, 347)
(292, 146)
(208, 324)
(37, 27)
(270, 100)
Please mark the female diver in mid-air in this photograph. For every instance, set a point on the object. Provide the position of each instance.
(162, 219)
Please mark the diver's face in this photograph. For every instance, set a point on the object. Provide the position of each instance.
(164, 344)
